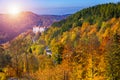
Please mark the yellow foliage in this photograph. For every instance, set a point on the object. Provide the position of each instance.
(2, 76)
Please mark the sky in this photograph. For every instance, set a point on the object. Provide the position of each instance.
(53, 7)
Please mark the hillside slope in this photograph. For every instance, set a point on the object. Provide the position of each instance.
(86, 44)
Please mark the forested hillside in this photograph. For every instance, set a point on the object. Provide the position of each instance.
(85, 46)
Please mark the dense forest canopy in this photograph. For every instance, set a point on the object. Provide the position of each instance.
(85, 46)
(95, 14)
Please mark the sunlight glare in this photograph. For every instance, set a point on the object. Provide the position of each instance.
(14, 10)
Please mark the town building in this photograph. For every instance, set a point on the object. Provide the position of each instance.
(38, 29)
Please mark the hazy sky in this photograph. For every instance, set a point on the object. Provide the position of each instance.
(51, 6)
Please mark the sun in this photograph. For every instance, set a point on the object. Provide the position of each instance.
(14, 9)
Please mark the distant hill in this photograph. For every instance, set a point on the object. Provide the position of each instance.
(12, 26)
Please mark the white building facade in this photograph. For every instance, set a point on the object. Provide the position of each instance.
(37, 29)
